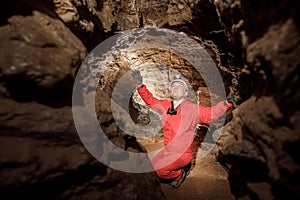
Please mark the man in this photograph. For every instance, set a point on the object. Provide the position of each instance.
(179, 119)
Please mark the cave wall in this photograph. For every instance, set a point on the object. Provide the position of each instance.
(255, 45)
(264, 132)
(41, 154)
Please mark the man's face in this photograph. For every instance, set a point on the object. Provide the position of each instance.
(178, 91)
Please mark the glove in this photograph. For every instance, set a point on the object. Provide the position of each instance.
(230, 100)
(137, 77)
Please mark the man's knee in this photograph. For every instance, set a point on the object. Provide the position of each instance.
(162, 173)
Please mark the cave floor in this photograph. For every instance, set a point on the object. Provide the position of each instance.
(207, 179)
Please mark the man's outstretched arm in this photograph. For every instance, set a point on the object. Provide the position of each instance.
(209, 114)
(147, 96)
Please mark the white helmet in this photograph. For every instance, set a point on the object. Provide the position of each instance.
(177, 78)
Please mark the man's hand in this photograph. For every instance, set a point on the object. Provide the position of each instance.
(230, 100)
(136, 74)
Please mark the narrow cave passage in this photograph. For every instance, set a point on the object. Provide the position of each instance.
(255, 46)
(158, 67)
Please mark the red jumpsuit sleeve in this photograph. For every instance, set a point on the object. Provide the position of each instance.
(209, 114)
(152, 102)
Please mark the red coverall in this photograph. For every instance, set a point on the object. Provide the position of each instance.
(178, 131)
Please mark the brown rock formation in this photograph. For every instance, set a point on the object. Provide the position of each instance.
(265, 127)
(255, 45)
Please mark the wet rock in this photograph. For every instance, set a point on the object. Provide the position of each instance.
(39, 56)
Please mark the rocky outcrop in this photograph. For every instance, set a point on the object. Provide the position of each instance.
(41, 154)
(39, 56)
(93, 21)
(263, 139)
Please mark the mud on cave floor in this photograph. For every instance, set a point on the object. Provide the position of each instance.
(207, 178)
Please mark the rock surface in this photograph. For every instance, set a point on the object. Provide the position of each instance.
(41, 154)
(264, 131)
(254, 44)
